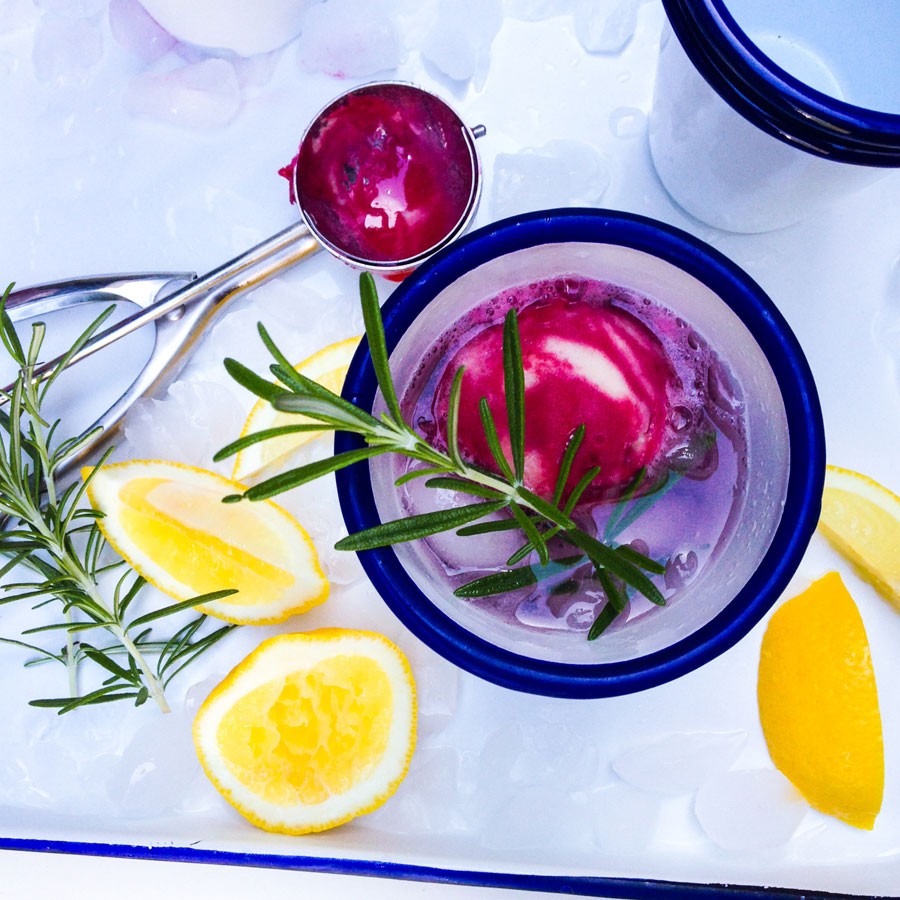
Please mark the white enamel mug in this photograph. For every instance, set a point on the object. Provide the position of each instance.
(765, 111)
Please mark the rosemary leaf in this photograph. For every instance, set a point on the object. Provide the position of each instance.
(629, 554)
(464, 485)
(453, 418)
(325, 410)
(179, 607)
(285, 481)
(268, 434)
(497, 583)
(535, 538)
(493, 441)
(565, 467)
(616, 597)
(604, 619)
(604, 557)
(514, 388)
(247, 378)
(377, 346)
(412, 474)
(415, 527)
(488, 527)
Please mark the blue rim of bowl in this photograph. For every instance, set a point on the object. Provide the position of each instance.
(774, 100)
(807, 456)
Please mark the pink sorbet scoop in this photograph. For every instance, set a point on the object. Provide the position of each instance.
(596, 365)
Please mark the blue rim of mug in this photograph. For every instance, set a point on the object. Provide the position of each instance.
(806, 457)
(772, 99)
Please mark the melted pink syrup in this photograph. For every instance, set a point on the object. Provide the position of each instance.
(385, 174)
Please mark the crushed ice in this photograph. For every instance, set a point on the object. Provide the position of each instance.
(679, 763)
(749, 809)
(349, 38)
(559, 173)
(206, 94)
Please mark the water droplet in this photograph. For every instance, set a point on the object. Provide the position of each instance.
(627, 122)
(680, 418)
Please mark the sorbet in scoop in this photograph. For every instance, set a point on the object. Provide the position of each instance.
(385, 174)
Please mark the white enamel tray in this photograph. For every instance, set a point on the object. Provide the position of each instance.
(505, 789)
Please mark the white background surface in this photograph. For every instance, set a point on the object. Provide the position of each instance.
(88, 187)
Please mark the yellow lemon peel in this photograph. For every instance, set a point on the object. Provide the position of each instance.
(818, 703)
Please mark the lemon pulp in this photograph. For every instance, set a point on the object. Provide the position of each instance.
(182, 537)
(311, 734)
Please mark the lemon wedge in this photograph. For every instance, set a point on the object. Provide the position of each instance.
(329, 368)
(169, 523)
(862, 520)
(818, 703)
(310, 730)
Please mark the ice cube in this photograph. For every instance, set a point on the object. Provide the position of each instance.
(245, 28)
(679, 763)
(534, 818)
(556, 753)
(750, 809)
(200, 95)
(535, 10)
(156, 768)
(460, 553)
(66, 50)
(427, 800)
(459, 40)
(349, 38)
(559, 173)
(256, 71)
(625, 819)
(192, 422)
(606, 27)
(437, 687)
(73, 9)
(137, 31)
(16, 15)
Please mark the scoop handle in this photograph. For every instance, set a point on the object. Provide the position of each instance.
(243, 273)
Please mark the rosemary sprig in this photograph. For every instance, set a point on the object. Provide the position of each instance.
(539, 520)
(51, 534)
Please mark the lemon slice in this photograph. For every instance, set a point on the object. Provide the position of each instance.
(168, 521)
(310, 730)
(818, 703)
(329, 368)
(862, 520)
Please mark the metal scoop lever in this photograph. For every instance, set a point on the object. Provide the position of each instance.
(180, 304)
(243, 273)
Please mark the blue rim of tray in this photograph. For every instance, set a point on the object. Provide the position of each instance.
(807, 455)
(578, 885)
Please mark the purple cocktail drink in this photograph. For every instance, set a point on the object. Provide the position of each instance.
(663, 422)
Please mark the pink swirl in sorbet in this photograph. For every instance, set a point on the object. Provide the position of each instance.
(385, 173)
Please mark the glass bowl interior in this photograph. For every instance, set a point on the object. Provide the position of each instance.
(770, 521)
